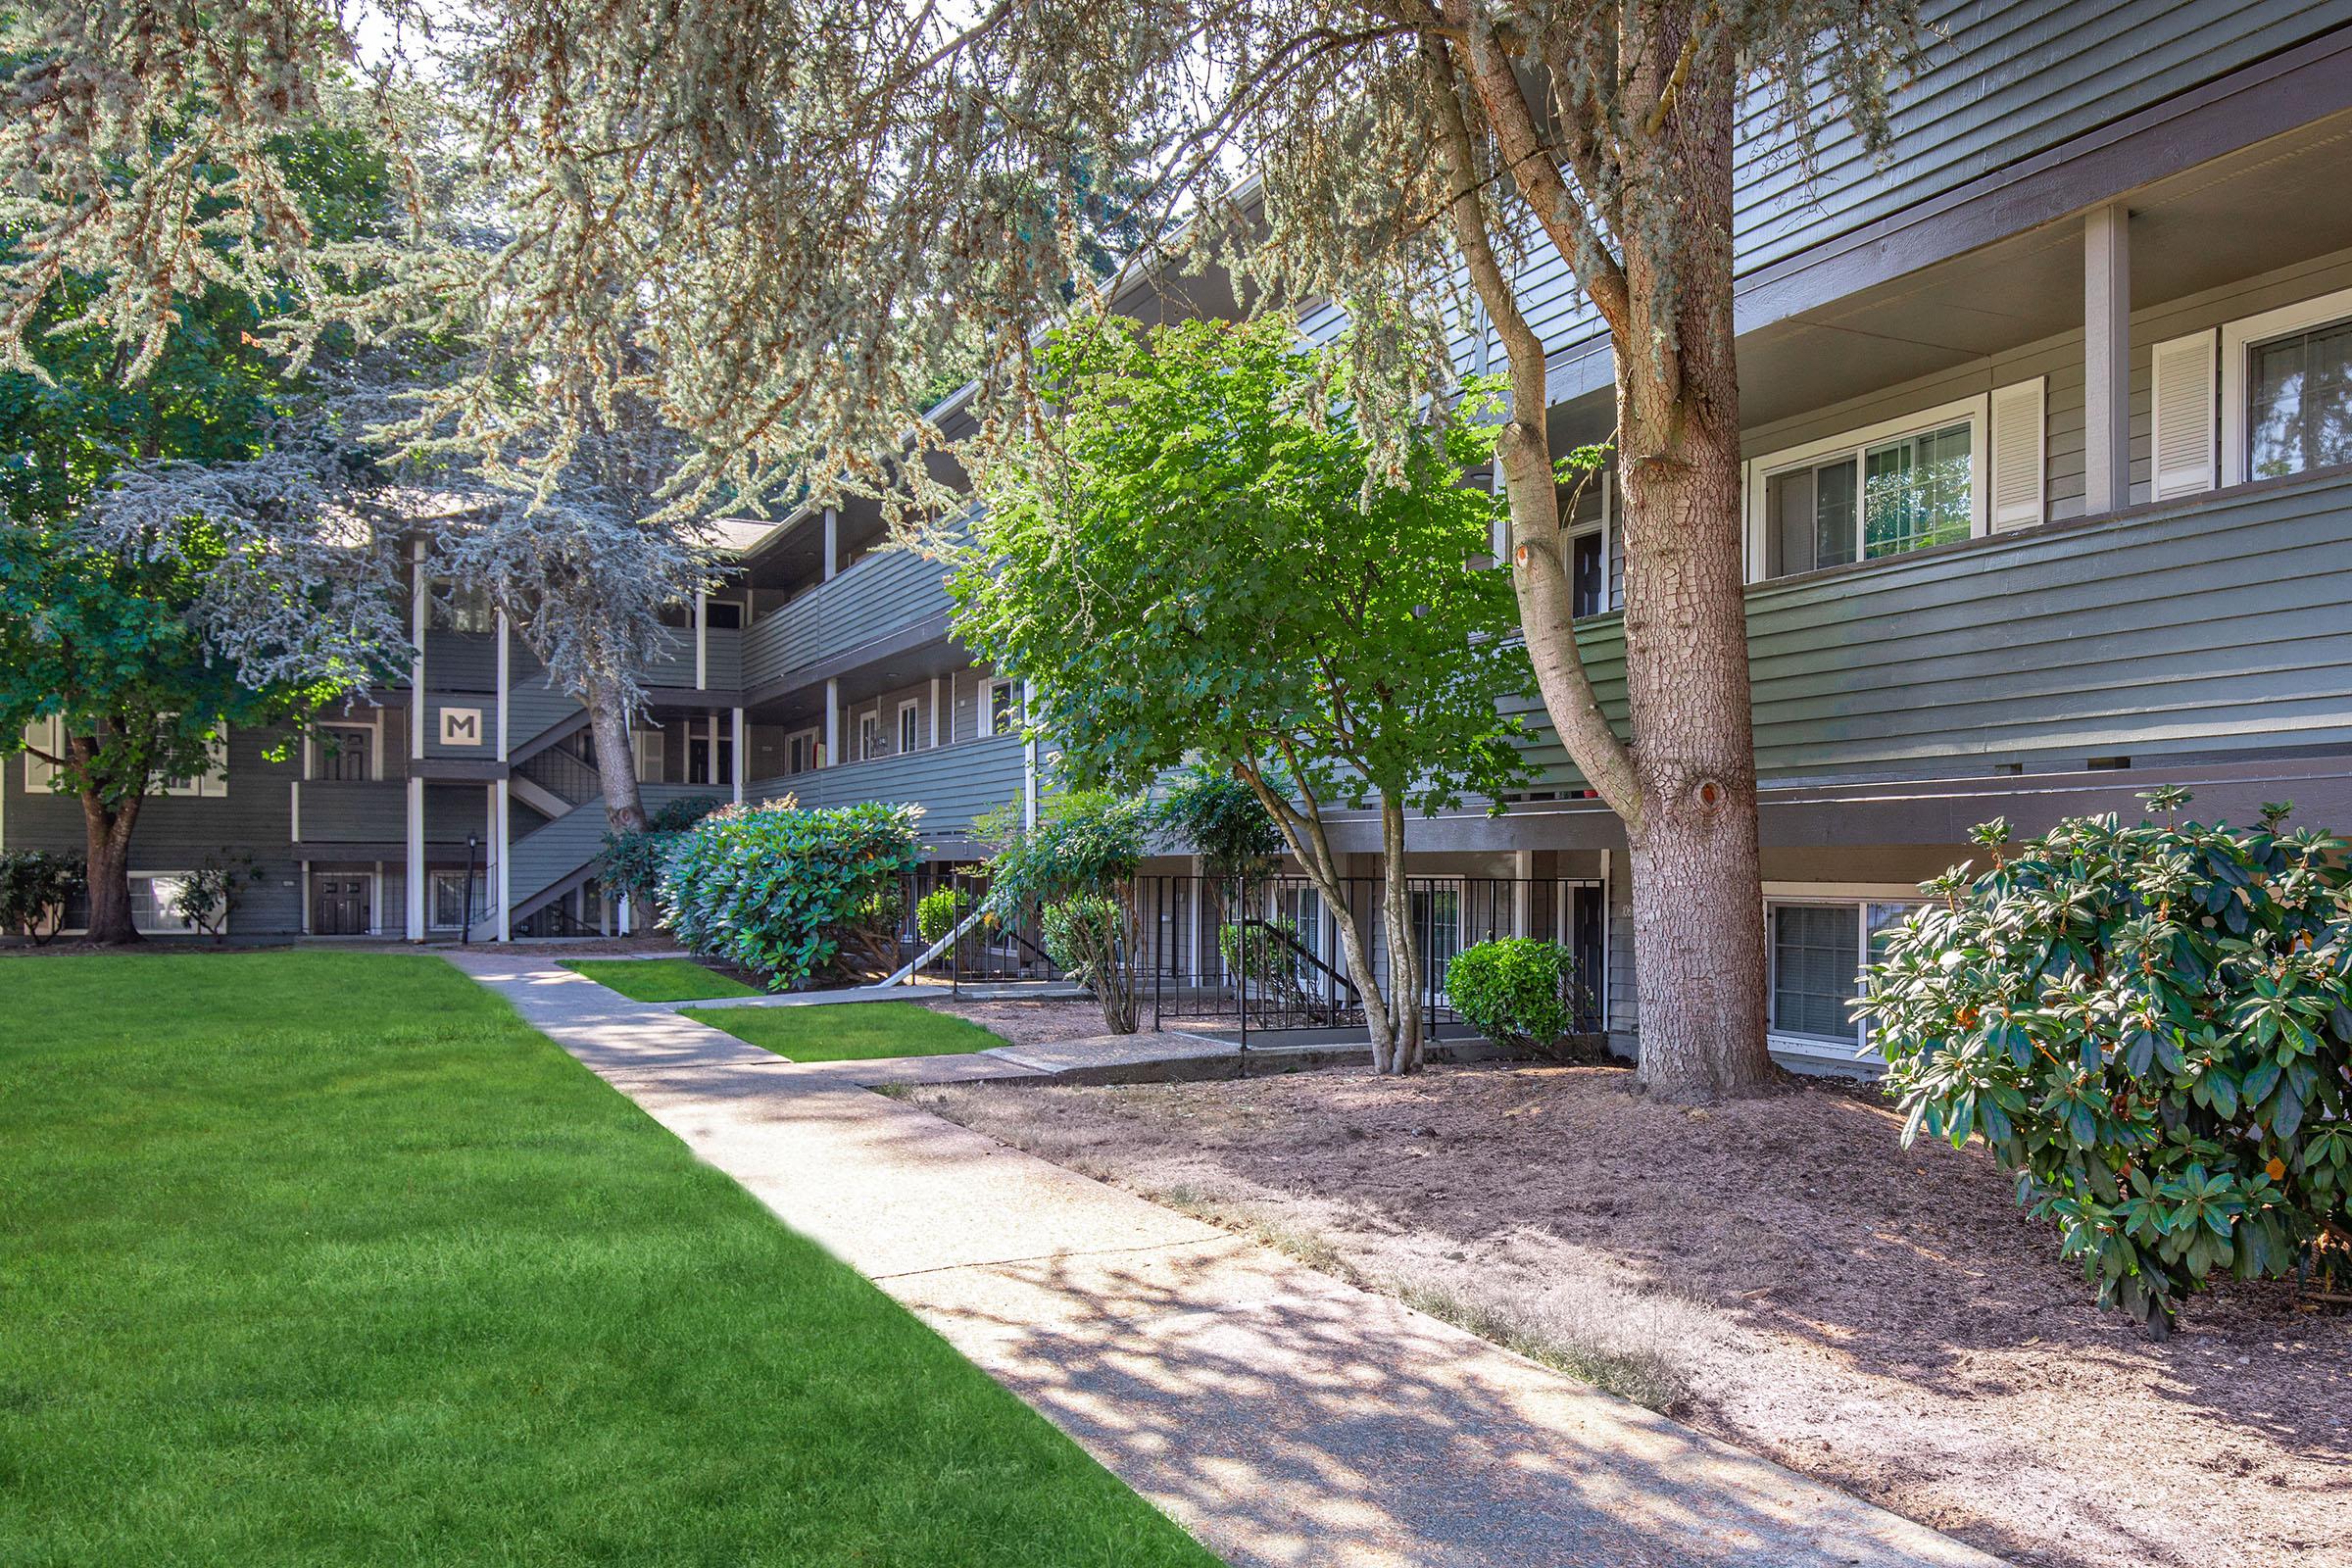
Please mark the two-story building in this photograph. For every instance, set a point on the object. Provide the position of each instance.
(2049, 500)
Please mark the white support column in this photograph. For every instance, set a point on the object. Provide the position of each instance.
(504, 679)
(500, 813)
(376, 899)
(742, 757)
(1028, 767)
(624, 915)
(2106, 358)
(302, 869)
(832, 719)
(935, 712)
(418, 593)
(1523, 890)
(702, 641)
(832, 544)
(294, 807)
(416, 887)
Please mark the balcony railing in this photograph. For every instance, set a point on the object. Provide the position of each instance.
(953, 784)
(887, 593)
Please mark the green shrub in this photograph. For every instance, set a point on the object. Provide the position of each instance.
(1086, 841)
(1091, 937)
(939, 912)
(1225, 823)
(777, 889)
(1520, 993)
(35, 885)
(205, 897)
(2152, 1026)
(632, 865)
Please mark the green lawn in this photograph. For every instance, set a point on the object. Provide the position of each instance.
(848, 1031)
(323, 1259)
(660, 979)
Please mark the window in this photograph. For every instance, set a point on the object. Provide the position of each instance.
(800, 751)
(2300, 390)
(151, 895)
(452, 899)
(869, 736)
(723, 614)
(461, 610)
(1000, 707)
(1898, 486)
(646, 745)
(1818, 950)
(47, 734)
(906, 729)
(1588, 574)
(213, 780)
(342, 752)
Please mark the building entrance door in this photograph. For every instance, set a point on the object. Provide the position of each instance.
(339, 903)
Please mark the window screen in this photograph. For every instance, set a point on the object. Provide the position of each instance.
(2302, 402)
(1816, 957)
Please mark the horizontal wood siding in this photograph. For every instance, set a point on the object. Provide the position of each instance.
(883, 593)
(2003, 82)
(952, 783)
(2224, 625)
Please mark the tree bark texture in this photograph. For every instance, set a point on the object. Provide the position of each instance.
(106, 836)
(616, 760)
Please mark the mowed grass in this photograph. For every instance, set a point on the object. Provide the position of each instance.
(848, 1031)
(660, 979)
(324, 1259)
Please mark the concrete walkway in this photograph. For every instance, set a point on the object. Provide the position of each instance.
(1286, 1419)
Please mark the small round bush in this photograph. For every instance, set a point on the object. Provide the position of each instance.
(777, 889)
(939, 912)
(2152, 1026)
(1520, 993)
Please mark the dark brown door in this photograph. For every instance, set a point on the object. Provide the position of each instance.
(339, 905)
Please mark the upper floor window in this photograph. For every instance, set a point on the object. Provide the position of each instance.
(907, 726)
(2301, 392)
(869, 736)
(1901, 485)
(1000, 707)
(466, 610)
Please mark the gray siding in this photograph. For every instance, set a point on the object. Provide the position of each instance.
(884, 594)
(953, 784)
(2223, 625)
(2001, 83)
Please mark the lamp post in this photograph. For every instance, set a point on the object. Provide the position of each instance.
(474, 842)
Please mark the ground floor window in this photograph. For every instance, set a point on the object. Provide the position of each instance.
(447, 905)
(1817, 951)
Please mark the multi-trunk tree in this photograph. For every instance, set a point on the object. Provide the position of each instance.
(1196, 561)
(802, 208)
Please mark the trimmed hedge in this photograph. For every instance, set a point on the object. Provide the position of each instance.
(1520, 993)
(777, 889)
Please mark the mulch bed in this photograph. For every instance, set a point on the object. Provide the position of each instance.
(1884, 1319)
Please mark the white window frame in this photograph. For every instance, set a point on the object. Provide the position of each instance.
(869, 735)
(988, 703)
(2240, 339)
(161, 924)
(811, 742)
(1973, 411)
(1855, 898)
(212, 783)
(910, 735)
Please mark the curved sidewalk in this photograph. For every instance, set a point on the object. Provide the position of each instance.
(1288, 1419)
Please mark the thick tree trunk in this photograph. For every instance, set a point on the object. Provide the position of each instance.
(1698, 912)
(1698, 923)
(615, 761)
(106, 835)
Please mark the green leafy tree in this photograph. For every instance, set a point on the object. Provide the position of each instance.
(1206, 555)
(2151, 1026)
(141, 614)
(1076, 866)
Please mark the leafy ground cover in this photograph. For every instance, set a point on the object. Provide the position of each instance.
(848, 1031)
(324, 1259)
(660, 979)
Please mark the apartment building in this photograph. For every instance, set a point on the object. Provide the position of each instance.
(2049, 500)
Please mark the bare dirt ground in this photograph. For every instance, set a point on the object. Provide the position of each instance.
(1780, 1272)
(1030, 1020)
